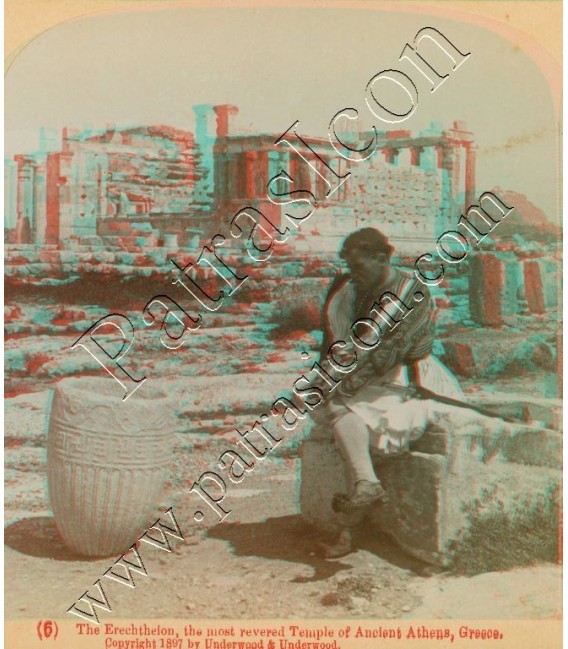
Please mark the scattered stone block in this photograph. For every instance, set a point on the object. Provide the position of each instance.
(533, 287)
(512, 291)
(459, 357)
(550, 269)
(486, 278)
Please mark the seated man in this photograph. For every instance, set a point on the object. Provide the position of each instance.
(374, 405)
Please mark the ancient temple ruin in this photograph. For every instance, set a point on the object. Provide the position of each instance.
(156, 184)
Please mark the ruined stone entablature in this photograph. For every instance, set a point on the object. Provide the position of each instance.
(155, 184)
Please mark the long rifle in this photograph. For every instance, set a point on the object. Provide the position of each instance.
(414, 390)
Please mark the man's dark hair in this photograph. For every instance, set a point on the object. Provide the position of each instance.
(366, 240)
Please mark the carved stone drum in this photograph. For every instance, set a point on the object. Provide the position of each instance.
(107, 462)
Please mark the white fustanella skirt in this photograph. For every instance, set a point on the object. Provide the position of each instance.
(393, 418)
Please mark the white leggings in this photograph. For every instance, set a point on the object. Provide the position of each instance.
(352, 438)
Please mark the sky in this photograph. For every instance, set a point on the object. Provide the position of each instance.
(279, 66)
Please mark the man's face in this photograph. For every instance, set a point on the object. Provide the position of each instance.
(367, 268)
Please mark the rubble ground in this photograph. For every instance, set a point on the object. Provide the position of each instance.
(259, 562)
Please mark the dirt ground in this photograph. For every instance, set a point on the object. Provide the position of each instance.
(259, 563)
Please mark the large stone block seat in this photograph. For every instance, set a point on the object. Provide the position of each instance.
(471, 488)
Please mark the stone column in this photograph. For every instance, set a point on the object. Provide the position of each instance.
(250, 165)
(241, 159)
(454, 167)
(262, 174)
(228, 186)
(415, 153)
(294, 171)
(445, 164)
(25, 199)
(321, 187)
(390, 155)
(470, 161)
(441, 155)
(342, 193)
(277, 161)
(302, 179)
(10, 194)
(52, 215)
(204, 143)
(40, 187)
(67, 177)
